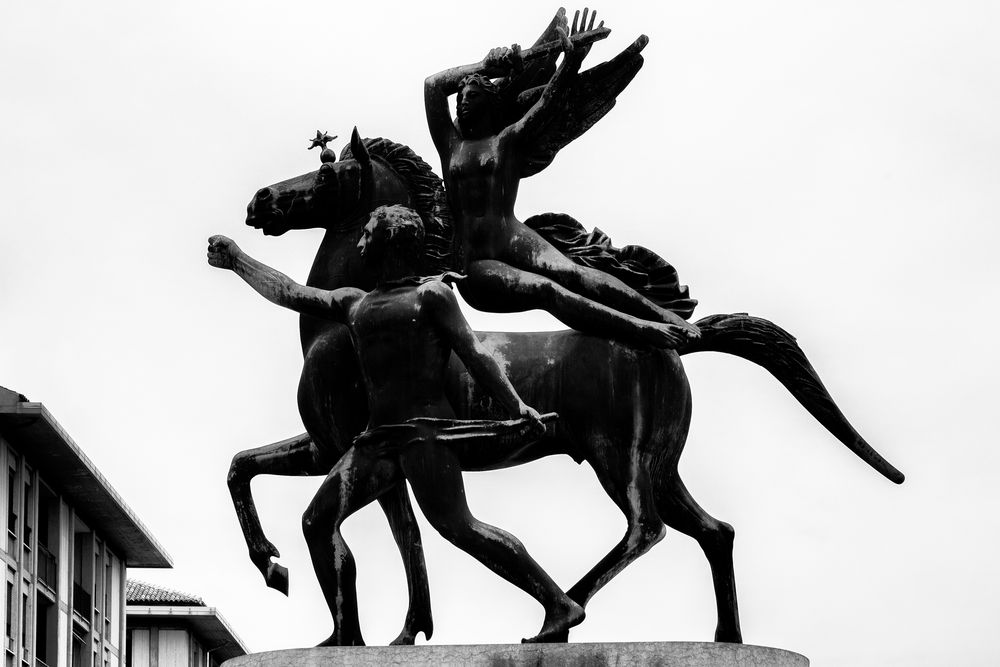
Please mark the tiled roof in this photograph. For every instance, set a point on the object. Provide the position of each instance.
(141, 593)
(11, 396)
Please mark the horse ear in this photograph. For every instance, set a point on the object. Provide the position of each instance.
(360, 153)
(358, 149)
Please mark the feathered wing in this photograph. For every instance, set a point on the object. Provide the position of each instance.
(536, 72)
(588, 99)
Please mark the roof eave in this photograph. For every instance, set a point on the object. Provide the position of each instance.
(207, 621)
(36, 433)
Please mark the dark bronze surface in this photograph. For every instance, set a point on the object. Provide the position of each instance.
(617, 382)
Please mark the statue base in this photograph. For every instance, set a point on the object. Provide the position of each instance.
(660, 654)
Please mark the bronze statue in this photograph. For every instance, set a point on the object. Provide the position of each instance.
(405, 330)
(633, 444)
(494, 143)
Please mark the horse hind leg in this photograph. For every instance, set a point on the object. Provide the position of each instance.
(294, 456)
(680, 511)
(629, 486)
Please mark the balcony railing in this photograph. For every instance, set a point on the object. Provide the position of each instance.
(81, 602)
(47, 567)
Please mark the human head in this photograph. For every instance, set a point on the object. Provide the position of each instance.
(392, 233)
(477, 104)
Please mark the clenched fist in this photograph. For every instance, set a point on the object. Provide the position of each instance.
(222, 250)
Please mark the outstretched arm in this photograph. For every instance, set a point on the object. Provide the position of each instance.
(484, 368)
(278, 288)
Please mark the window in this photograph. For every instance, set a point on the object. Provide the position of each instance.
(10, 612)
(98, 597)
(77, 657)
(27, 509)
(114, 610)
(173, 648)
(24, 617)
(46, 649)
(82, 601)
(107, 599)
(139, 651)
(48, 536)
(12, 510)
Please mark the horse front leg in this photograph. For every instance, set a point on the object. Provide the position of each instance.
(626, 481)
(296, 456)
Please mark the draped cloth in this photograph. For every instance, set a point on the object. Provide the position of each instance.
(390, 439)
(638, 267)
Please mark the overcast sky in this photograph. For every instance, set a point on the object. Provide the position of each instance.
(833, 168)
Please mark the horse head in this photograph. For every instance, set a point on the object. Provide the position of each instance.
(339, 195)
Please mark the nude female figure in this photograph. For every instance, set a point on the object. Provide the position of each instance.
(510, 267)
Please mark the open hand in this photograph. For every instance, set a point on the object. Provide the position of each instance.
(222, 250)
(580, 25)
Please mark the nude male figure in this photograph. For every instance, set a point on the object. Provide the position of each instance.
(404, 331)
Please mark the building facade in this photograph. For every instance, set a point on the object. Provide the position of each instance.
(167, 628)
(68, 541)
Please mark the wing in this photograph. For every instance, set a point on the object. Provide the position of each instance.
(536, 72)
(589, 98)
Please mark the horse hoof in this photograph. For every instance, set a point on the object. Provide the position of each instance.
(408, 636)
(404, 639)
(277, 577)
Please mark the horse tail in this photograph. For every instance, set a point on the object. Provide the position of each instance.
(774, 349)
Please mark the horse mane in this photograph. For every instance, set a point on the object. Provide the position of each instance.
(427, 191)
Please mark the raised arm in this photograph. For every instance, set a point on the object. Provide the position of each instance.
(438, 87)
(278, 288)
(548, 103)
(484, 368)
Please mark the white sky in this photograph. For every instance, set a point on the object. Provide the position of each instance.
(832, 167)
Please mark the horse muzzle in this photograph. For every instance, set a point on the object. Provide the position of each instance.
(263, 213)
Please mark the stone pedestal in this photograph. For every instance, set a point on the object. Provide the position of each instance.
(658, 654)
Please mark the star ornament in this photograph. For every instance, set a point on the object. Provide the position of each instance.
(321, 140)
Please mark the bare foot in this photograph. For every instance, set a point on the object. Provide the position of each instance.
(557, 623)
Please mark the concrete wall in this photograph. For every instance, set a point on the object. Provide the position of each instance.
(38, 593)
(165, 646)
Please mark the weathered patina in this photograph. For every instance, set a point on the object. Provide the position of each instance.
(617, 381)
